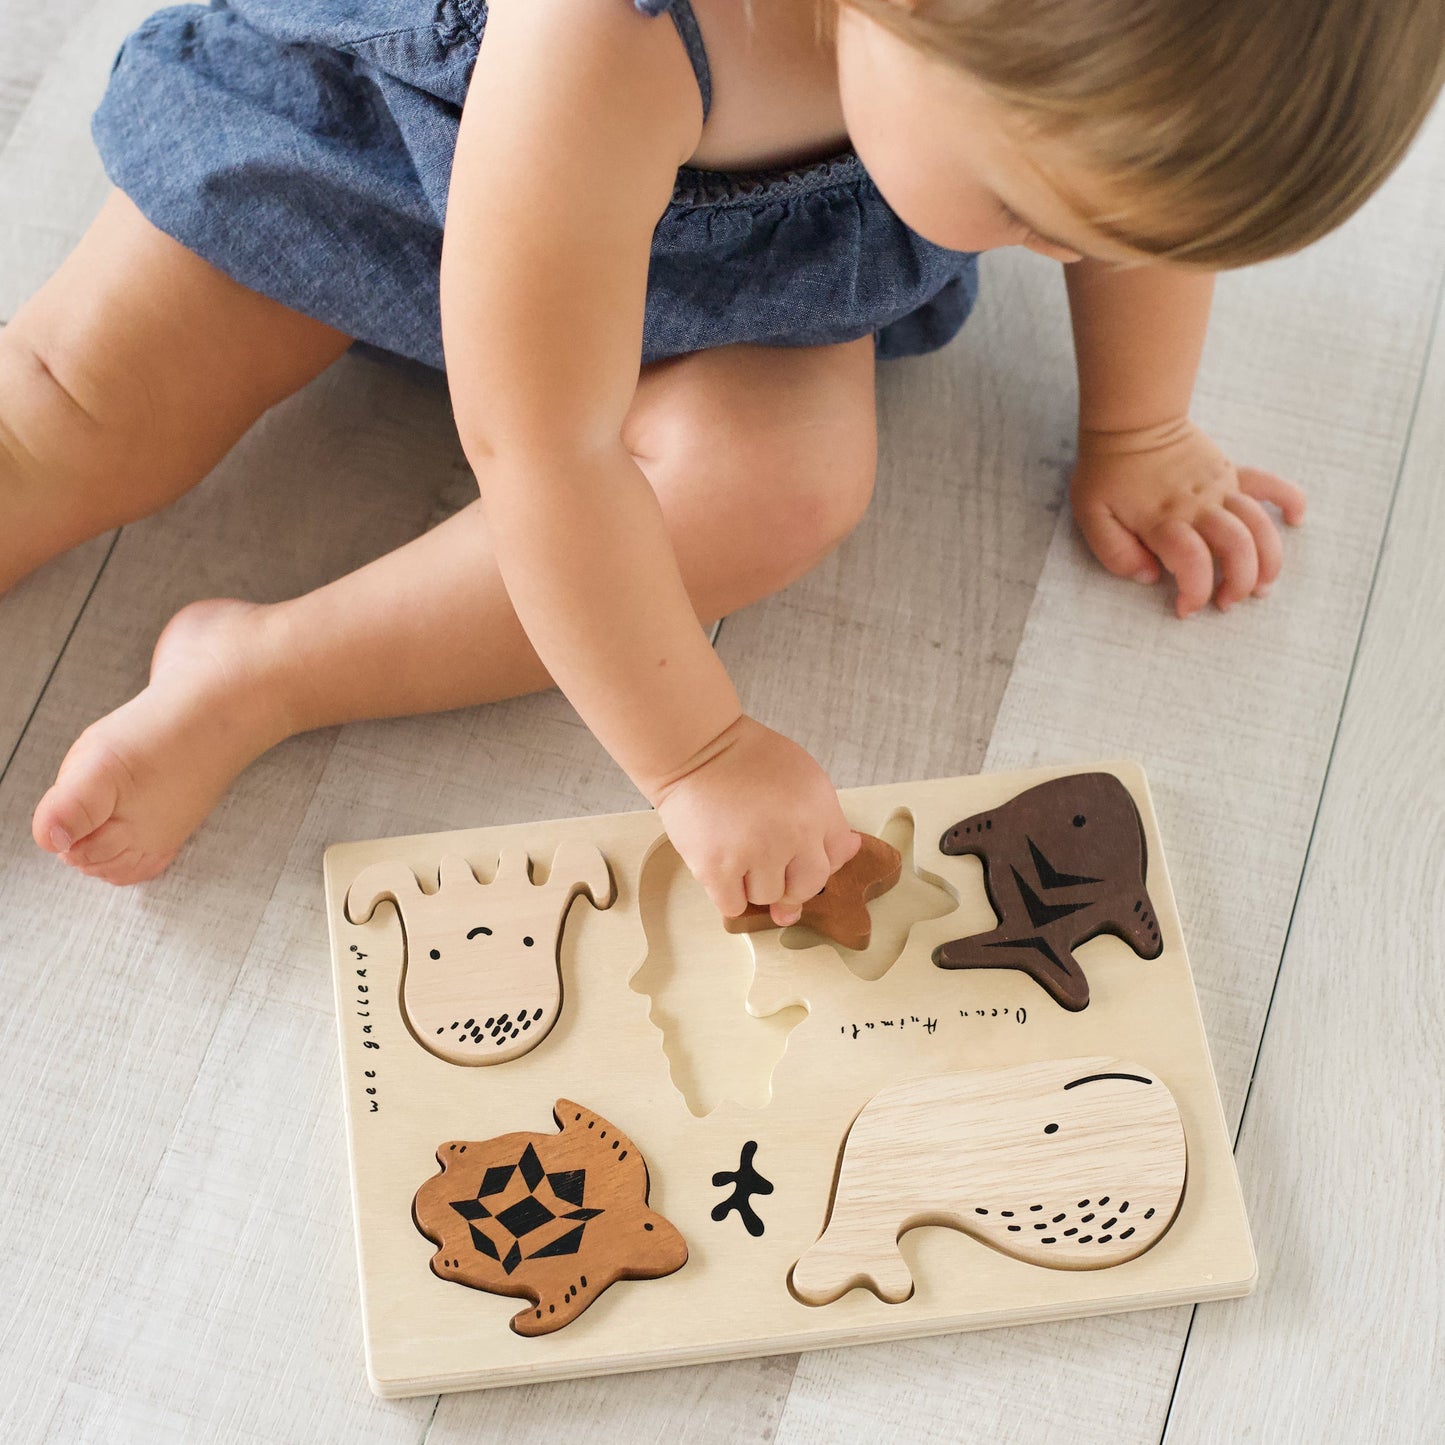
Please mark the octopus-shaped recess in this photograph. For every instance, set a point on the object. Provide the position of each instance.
(1070, 1164)
(552, 1218)
(1062, 863)
(481, 978)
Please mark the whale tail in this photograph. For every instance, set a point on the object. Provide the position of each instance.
(839, 1262)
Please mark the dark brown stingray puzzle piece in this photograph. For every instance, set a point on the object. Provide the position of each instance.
(1062, 862)
(551, 1218)
(840, 910)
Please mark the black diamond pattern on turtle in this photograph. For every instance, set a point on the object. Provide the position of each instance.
(527, 1213)
(496, 1179)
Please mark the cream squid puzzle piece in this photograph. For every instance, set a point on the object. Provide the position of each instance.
(481, 975)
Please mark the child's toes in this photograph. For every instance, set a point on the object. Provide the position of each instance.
(113, 870)
(103, 846)
(130, 865)
(82, 799)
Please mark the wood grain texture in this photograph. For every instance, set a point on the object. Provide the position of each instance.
(1342, 1144)
(1062, 863)
(30, 37)
(858, 1040)
(50, 176)
(481, 984)
(1311, 369)
(124, 991)
(526, 759)
(36, 618)
(555, 1219)
(1003, 1155)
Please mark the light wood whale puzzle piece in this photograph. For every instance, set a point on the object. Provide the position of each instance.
(840, 909)
(1063, 862)
(1070, 1164)
(481, 975)
(552, 1218)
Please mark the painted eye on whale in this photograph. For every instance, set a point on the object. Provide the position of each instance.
(435, 953)
(528, 940)
(1051, 1128)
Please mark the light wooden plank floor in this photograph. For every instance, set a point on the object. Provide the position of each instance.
(167, 1068)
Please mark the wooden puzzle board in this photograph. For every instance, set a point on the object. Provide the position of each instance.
(773, 1037)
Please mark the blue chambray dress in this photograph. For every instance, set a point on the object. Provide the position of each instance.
(304, 147)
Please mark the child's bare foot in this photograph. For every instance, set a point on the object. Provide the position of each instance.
(135, 785)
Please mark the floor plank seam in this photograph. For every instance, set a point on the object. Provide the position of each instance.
(1427, 353)
(1184, 1346)
(1439, 300)
(431, 1420)
(60, 653)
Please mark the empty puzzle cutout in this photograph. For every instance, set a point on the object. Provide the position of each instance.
(1063, 862)
(481, 976)
(696, 976)
(1069, 1164)
(916, 897)
(552, 1218)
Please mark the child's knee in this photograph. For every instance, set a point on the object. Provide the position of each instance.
(64, 473)
(813, 487)
(44, 427)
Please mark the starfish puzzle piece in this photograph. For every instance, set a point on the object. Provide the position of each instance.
(1063, 862)
(840, 910)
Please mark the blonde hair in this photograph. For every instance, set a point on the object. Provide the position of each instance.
(1232, 130)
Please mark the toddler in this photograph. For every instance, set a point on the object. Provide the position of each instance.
(657, 245)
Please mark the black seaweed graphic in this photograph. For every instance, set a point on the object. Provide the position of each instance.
(746, 1182)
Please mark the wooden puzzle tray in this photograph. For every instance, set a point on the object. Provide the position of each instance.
(593, 1130)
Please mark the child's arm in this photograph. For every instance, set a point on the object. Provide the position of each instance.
(1150, 488)
(578, 117)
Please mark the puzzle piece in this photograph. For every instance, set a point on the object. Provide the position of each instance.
(1063, 862)
(1069, 1164)
(481, 979)
(552, 1218)
(840, 909)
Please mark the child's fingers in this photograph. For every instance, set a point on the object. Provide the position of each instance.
(1120, 551)
(727, 893)
(1266, 487)
(1266, 538)
(804, 879)
(764, 884)
(1183, 552)
(1233, 546)
(841, 847)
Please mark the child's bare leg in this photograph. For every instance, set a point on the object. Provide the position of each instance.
(762, 461)
(126, 378)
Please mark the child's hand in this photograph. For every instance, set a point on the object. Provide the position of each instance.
(759, 822)
(1169, 498)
